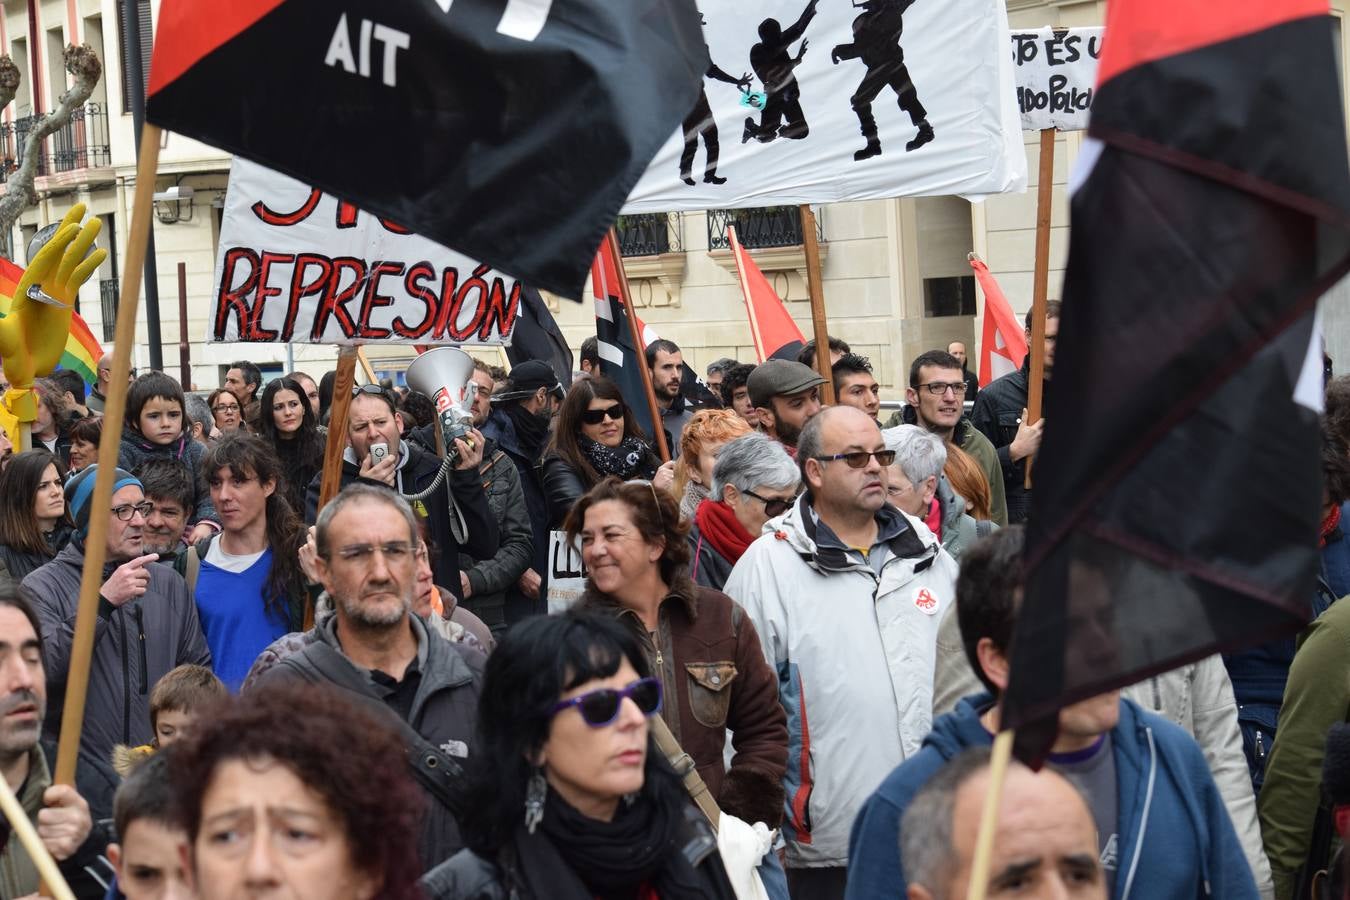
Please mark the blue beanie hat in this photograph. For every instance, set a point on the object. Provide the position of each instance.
(80, 490)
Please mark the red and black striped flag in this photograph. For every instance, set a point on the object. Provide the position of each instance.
(510, 131)
(619, 359)
(1177, 498)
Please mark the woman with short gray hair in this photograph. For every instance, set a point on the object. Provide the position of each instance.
(916, 485)
(754, 480)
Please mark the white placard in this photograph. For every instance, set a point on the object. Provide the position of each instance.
(837, 74)
(296, 264)
(1056, 72)
(566, 572)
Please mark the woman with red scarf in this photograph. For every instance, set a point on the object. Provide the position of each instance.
(753, 480)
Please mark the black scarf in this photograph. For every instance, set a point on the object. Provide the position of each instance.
(573, 856)
(531, 429)
(631, 459)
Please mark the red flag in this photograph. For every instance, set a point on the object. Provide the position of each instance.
(1003, 344)
(771, 327)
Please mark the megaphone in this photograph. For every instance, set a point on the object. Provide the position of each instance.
(445, 374)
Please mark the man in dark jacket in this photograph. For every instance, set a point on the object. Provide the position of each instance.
(1163, 830)
(519, 423)
(382, 656)
(958, 351)
(1000, 413)
(492, 586)
(457, 514)
(146, 623)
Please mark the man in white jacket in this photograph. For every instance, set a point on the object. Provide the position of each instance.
(846, 593)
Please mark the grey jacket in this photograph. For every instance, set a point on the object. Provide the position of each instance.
(494, 578)
(444, 712)
(959, 528)
(1198, 697)
(135, 645)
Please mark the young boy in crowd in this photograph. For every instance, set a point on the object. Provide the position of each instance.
(174, 703)
(155, 429)
(146, 857)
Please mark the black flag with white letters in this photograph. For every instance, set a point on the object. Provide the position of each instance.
(510, 130)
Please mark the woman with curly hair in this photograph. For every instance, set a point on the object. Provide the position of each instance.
(279, 795)
(292, 429)
(702, 437)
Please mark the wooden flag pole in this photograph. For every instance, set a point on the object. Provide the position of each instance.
(638, 346)
(1040, 281)
(53, 885)
(331, 479)
(984, 840)
(817, 291)
(96, 543)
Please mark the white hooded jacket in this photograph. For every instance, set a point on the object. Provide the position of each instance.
(854, 651)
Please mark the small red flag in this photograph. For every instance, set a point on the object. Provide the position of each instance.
(771, 327)
(1003, 344)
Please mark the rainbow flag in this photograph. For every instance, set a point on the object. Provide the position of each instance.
(82, 351)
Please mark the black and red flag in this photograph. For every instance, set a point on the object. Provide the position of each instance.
(509, 131)
(619, 359)
(1177, 498)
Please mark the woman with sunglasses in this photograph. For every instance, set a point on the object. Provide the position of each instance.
(567, 797)
(699, 643)
(226, 410)
(753, 480)
(596, 436)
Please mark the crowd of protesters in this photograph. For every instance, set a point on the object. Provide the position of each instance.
(781, 680)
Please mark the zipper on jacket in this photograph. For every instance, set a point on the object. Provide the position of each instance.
(145, 669)
(1260, 746)
(1143, 818)
(126, 681)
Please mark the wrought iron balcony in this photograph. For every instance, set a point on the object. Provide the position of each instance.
(767, 226)
(649, 234)
(82, 143)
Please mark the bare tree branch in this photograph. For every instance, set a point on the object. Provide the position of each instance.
(82, 63)
(9, 80)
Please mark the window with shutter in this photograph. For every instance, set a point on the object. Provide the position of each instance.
(147, 30)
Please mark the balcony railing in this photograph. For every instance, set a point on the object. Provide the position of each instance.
(107, 291)
(649, 234)
(768, 226)
(82, 143)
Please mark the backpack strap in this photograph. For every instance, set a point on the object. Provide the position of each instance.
(438, 772)
(192, 564)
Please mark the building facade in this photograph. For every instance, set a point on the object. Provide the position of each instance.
(896, 279)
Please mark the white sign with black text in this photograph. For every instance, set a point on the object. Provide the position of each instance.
(566, 572)
(1056, 71)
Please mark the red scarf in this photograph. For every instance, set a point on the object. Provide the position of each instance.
(1329, 525)
(934, 519)
(722, 529)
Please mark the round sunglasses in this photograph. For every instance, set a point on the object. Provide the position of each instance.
(601, 707)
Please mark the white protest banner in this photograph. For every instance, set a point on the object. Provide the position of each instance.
(810, 102)
(1056, 72)
(566, 572)
(296, 264)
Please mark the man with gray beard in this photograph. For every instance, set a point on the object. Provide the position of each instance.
(379, 655)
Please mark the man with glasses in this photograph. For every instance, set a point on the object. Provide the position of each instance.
(936, 401)
(146, 625)
(377, 454)
(847, 597)
(1000, 413)
(381, 655)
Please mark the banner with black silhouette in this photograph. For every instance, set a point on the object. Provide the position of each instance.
(811, 102)
(1056, 71)
(296, 264)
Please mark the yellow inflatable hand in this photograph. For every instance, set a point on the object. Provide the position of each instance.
(33, 333)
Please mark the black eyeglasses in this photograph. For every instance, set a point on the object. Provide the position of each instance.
(938, 388)
(225, 407)
(596, 416)
(857, 459)
(128, 511)
(773, 507)
(601, 707)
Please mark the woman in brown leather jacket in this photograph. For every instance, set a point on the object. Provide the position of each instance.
(698, 641)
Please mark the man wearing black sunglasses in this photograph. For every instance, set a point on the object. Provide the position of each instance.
(846, 595)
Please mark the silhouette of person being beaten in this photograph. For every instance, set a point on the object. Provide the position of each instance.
(876, 41)
(700, 121)
(771, 63)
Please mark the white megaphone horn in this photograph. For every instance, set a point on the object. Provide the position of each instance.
(445, 375)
